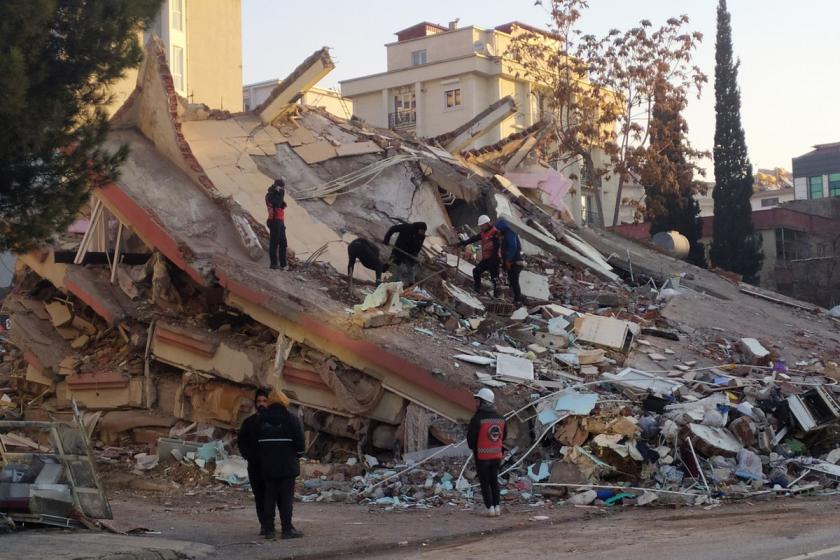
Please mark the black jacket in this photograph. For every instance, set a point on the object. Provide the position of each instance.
(409, 240)
(484, 412)
(280, 442)
(247, 440)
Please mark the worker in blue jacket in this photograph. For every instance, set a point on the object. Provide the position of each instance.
(511, 250)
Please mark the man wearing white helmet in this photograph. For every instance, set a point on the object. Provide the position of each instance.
(485, 437)
(488, 238)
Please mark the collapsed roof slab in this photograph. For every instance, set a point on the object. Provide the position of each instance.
(295, 317)
(96, 292)
(302, 79)
(464, 135)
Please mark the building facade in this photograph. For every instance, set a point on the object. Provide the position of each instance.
(817, 174)
(203, 42)
(438, 78)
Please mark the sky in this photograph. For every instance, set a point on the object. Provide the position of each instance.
(789, 52)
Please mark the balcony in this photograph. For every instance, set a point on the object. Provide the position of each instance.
(403, 120)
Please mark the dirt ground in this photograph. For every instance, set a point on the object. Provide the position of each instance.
(222, 517)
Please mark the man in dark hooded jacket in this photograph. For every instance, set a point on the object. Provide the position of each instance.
(410, 238)
(249, 448)
(511, 250)
(281, 445)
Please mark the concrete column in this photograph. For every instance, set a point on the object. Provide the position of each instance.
(419, 100)
(385, 107)
(826, 191)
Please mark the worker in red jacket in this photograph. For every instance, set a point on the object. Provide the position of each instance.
(485, 437)
(275, 203)
(488, 238)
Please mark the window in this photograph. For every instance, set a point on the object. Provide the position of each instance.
(765, 202)
(792, 245)
(834, 184)
(178, 68)
(453, 98)
(177, 14)
(418, 57)
(815, 187)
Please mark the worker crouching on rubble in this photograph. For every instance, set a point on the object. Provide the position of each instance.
(488, 238)
(281, 445)
(275, 203)
(249, 448)
(511, 251)
(485, 437)
(410, 238)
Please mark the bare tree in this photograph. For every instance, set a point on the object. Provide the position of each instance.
(601, 89)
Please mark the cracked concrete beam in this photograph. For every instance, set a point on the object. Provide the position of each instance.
(465, 134)
(301, 80)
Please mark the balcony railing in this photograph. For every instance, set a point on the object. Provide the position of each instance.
(402, 120)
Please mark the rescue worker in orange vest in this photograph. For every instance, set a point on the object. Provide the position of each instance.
(485, 436)
(488, 238)
(275, 204)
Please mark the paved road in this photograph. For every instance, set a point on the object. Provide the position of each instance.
(790, 530)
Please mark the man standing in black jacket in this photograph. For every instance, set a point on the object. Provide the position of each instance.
(409, 242)
(485, 437)
(248, 447)
(281, 445)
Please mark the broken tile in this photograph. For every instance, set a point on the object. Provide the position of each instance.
(513, 368)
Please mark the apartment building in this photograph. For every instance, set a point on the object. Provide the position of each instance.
(817, 174)
(203, 42)
(331, 100)
(438, 78)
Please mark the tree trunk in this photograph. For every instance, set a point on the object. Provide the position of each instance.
(618, 193)
(597, 186)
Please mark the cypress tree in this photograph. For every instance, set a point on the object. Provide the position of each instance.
(668, 173)
(736, 246)
(57, 60)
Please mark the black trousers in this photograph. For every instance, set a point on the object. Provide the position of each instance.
(513, 279)
(277, 242)
(280, 495)
(487, 265)
(488, 477)
(258, 488)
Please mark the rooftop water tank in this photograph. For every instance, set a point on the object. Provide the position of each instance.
(673, 243)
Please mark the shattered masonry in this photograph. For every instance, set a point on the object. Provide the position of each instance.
(629, 375)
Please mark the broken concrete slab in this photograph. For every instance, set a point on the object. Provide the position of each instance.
(316, 152)
(464, 135)
(358, 148)
(643, 381)
(292, 88)
(60, 314)
(754, 353)
(534, 286)
(709, 441)
(465, 303)
(606, 332)
(514, 369)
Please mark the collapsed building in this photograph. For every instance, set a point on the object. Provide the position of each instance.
(157, 309)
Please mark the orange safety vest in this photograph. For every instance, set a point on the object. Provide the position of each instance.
(490, 433)
(486, 242)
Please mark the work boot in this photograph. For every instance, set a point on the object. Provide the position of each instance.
(262, 531)
(291, 533)
(270, 534)
(274, 267)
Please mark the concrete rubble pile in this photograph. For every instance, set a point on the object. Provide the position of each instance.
(157, 313)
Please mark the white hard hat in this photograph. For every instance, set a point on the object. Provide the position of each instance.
(486, 395)
(484, 219)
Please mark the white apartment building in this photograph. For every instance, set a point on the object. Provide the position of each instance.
(438, 78)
